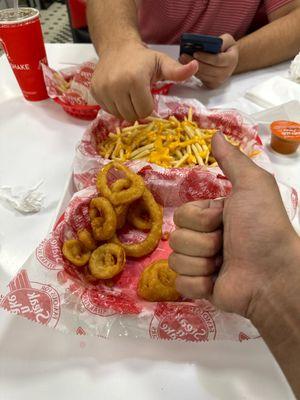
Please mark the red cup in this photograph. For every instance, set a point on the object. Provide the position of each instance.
(22, 40)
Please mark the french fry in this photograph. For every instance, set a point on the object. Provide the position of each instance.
(181, 161)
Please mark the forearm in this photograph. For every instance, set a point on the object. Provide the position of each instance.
(112, 23)
(276, 42)
(277, 318)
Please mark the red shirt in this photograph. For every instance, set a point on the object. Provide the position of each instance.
(163, 21)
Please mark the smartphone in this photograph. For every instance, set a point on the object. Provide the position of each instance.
(190, 43)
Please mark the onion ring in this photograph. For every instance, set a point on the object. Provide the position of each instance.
(157, 282)
(87, 239)
(138, 216)
(120, 184)
(121, 213)
(121, 210)
(103, 229)
(107, 261)
(76, 253)
(134, 192)
(145, 247)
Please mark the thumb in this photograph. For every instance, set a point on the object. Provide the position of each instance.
(236, 166)
(172, 70)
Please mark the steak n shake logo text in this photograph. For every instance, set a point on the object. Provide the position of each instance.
(20, 67)
(184, 322)
(35, 301)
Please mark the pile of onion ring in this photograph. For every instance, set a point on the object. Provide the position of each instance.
(157, 282)
(122, 198)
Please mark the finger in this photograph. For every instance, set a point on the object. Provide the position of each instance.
(99, 100)
(111, 108)
(115, 111)
(174, 71)
(193, 266)
(236, 166)
(215, 60)
(228, 41)
(142, 100)
(222, 59)
(106, 103)
(196, 244)
(209, 70)
(210, 83)
(126, 108)
(195, 217)
(195, 287)
(185, 59)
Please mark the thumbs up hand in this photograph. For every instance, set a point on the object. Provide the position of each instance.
(234, 251)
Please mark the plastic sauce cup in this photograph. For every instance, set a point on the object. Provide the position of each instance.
(285, 137)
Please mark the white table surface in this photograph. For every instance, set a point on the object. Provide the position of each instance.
(37, 142)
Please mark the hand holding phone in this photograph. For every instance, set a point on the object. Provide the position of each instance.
(217, 57)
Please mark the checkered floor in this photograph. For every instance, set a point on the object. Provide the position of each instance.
(55, 24)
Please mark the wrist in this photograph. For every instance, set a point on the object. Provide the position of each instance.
(279, 298)
(118, 44)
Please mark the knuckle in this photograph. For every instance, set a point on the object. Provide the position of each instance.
(174, 239)
(187, 211)
(173, 258)
(204, 288)
(213, 244)
(206, 266)
(220, 59)
(177, 215)
(228, 37)
(193, 288)
(205, 220)
(184, 214)
(183, 287)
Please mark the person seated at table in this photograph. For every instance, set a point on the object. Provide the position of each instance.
(244, 256)
(127, 67)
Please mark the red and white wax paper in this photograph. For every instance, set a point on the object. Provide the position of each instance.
(71, 85)
(172, 186)
(50, 291)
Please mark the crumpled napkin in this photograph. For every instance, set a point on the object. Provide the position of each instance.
(21, 199)
(274, 92)
(295, 69)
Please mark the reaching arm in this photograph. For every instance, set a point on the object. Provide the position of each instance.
(112, 23)
(276, 42)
